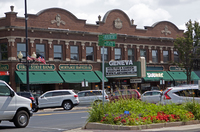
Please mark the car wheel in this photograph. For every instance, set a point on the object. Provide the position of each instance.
(35, 109)
(21, 119)
(67, 105)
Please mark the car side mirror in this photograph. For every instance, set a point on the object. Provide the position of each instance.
(12, 93)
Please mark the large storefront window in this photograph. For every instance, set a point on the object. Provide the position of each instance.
(165, 56)
(89, 53)
(131, 54)
(3, 52)
(40, 50)
(143, 53)
(105, 54)
(155, 56)
(176, 56)
(21, 47)
(74, 53)
(118, 54)
(57, 52)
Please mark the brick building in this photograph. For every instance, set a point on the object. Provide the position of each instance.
(70, 48)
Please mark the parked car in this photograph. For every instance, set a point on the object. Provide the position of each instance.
(58, 98)
(88, 97)
(181, 94)
(14, 108)
(153, 96)
(31, 97)
(125, 94)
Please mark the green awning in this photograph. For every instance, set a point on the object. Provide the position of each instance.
(194, 76)
(178, 76)
(38, 77)
(155, 76)
(79, 76)
(99, 74)
(5, 78)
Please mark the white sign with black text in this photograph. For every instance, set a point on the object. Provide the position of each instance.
(138, 80)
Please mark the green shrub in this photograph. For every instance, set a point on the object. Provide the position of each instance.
(139, 112)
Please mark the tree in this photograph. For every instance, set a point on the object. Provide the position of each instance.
(188, 47)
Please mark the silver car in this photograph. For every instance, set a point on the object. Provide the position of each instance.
(88, 97)
(181, 94)
(153, 96)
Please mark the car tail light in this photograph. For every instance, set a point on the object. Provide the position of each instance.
(166, 96)
(32, 98)
(106, 97)
(75, 95)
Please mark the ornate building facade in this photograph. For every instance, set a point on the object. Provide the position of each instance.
(70, 48)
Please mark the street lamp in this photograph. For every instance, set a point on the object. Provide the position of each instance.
(27, 63)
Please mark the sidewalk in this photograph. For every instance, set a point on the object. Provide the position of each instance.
(177, 128)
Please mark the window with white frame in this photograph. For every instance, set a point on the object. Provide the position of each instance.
(105, 54)
(131, 54)
(155, 56)
(165, 56)
(40, 50)
(57, 52)
(89, 53)
(21, 47)
(143, 53)
(74, 53)
(118, 54)
(176, 56)
(3, 51)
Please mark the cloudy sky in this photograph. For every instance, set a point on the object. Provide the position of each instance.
(143, 12)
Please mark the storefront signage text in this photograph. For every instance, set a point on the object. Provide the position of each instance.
(75, 67)
(122, 62)
(4, 67)
(138, 80)
(174, 68)
(154, 74)
(36, 67)
(125, 70)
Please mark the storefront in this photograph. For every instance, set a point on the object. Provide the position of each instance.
(179, 76)
(4, 72)
(156, 77)
(80, 76)
(41, 78)
(120, 74)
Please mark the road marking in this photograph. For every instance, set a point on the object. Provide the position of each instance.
(59, 113)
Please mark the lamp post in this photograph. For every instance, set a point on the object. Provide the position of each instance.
(27, 63)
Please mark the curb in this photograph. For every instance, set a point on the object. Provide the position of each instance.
(100, 126)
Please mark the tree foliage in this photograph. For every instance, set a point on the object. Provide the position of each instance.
(188, 47)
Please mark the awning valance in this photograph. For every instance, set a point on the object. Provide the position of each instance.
(155, 76)
(178, 76)
(99, 74)
(38, 77)
(79, 76)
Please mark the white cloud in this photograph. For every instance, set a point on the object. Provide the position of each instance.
(74, 3)
(112, 2)
(143, 15)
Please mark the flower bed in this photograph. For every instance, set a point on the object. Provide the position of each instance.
(135, 112)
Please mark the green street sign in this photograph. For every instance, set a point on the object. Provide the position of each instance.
(109, 43)
(109, 36)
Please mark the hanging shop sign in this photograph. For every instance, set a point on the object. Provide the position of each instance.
(4, 67)
(137, 80)
(36, 67)
(122, 68)
(75, 67)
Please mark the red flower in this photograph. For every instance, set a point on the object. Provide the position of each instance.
(123, 121)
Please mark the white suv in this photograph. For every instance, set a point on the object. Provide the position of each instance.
(87, 97)
(58, 98)
(181, 94)
(14, 108)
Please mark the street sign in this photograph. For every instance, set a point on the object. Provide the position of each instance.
(109, 43)
(102, 38)
(109, 36)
